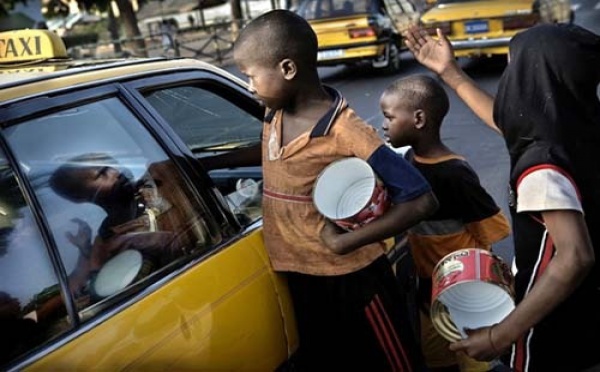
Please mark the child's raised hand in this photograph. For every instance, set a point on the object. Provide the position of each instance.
(436, 55)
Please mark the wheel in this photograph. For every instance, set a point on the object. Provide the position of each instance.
(393, 56)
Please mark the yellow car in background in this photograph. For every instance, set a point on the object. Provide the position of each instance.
(484, 27)
(351, 32)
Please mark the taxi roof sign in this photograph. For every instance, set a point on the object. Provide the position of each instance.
(30, 45)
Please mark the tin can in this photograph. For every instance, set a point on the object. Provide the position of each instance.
(349, 193)
(472, 288)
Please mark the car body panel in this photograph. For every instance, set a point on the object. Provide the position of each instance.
(335, 43)
(178, 327)
(477, 28)
(350, 32)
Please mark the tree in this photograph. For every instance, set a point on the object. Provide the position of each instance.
(236, 18)
(7, 5)
(128, 18)
(132, 30)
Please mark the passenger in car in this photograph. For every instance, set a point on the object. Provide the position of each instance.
(414, 109)
(134, 214)
(548, 111)
(346, 299)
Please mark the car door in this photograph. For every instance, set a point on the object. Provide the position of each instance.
(210, 301)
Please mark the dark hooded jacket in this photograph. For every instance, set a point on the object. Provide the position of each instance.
(548, 110)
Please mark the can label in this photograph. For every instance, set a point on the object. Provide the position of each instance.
(469, 268)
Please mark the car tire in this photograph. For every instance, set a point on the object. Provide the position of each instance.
(393, 65)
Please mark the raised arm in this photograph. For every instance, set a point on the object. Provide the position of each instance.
(438, 56)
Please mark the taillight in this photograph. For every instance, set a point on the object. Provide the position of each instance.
(444, 26)
(361, 32)
(519, 22)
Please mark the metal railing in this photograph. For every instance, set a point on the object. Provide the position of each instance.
(212, 43)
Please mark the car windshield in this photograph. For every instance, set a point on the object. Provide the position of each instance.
(320, 9)
(455, 1)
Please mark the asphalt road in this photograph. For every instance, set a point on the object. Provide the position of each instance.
(462, 131)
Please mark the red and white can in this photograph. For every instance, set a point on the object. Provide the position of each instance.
(472, 288)
(349, 193)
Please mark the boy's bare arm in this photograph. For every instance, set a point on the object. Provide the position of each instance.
(438, 56)
(573, 261)
(394, 222)
(246, 157)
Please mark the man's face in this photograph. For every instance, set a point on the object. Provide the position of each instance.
(104, 184)
(399, 121)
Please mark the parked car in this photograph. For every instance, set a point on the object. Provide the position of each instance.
(484, 27)
(351, 32)
(207, 301)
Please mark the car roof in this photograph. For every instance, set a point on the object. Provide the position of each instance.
(35, 61)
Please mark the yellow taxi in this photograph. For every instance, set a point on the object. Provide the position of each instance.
(117, 250)
(484, 27)
(351, 32)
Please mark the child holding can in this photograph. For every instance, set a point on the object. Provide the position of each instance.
(414, 108)
(547, 110)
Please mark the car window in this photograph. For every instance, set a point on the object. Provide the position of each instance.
(317, 9)
(204, 120)
(210, 124)
(454, 1)
(119, 210)
(31, 307)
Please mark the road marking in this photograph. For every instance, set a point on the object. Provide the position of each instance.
(597, 7)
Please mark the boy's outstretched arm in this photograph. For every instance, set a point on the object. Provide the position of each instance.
(246, 157)
(396, 220)
(438, 56)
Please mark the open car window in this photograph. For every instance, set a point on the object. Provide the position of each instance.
(211, 124)
(204, 120)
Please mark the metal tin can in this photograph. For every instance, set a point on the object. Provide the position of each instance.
(349, 193)
(472, 288)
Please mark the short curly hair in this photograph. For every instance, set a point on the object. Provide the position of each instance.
(420, 91)
(280, 34)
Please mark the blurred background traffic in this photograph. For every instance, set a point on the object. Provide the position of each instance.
(205, 29)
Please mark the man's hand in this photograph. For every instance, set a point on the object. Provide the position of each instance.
(83, 238)
(436, 55)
